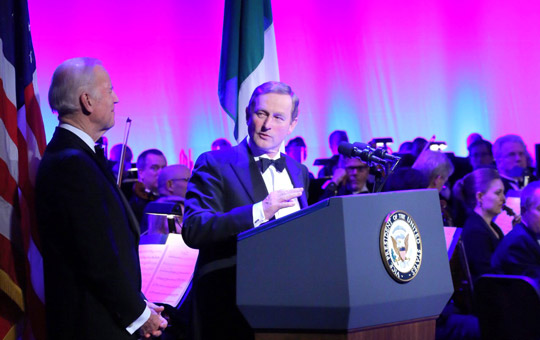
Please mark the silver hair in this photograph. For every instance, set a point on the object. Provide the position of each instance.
(433, 164)
(497, 146)
(273, 87)
(527, 196)
(69, 81)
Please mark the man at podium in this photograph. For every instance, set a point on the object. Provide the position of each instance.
(234, 190)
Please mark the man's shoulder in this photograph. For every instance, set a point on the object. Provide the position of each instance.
(219, 156)
(519, 233)
(224, 156)
(293, 162)
(64, 156)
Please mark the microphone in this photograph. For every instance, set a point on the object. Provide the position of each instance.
(379, 152)
(382, 153)
(359, 150)
(508, 210)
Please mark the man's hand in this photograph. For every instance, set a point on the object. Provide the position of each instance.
(516, 220)
(279, 199)
(155, 324)
(339, 175)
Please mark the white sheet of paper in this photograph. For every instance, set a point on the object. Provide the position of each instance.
(167, 269)
(451, 235)
(503, 220)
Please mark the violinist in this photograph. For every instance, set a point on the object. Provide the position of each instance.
(482, 191)
(145, 190)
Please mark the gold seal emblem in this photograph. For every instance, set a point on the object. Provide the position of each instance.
(401, 246)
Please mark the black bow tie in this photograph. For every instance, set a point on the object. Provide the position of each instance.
(279, 163)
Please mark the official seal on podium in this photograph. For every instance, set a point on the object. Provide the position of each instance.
(401, 246)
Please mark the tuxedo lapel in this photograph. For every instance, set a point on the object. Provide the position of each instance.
(133, 222)
(67, 139)
(248, 173)
(295, 173)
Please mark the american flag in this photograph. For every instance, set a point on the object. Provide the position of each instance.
(22, 142)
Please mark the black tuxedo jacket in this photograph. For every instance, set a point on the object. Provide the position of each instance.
(518, 253)
(221, 192)
(89, 238)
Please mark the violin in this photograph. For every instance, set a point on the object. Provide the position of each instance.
(123, 154)
(139, 190)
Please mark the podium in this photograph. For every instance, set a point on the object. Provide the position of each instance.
(319, 273)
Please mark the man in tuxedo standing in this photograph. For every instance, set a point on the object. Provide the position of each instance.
(88, 232)
(234, 190)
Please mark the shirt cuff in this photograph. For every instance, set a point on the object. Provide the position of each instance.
(139, 322)
(258, 215)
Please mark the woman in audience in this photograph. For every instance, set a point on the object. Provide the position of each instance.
(482, 192)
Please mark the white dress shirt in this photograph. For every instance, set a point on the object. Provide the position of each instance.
(274, 180)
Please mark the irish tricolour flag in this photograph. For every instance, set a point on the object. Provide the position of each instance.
(248, 56)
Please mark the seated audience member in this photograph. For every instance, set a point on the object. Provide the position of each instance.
(519, 251)
(511, 158)
(114, 164)
(172, 187)
(336, 137)
(481, 154)
(405, 179)
(297, 149)
(405, 147)
(149, 165)
(418, 146)
(437, 168)
(114, 158)
(221, 143)
(350, 178)
(405, 152)
(173, 179)
(473, 137)
(482, 192)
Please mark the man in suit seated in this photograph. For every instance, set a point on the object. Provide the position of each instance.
(511, 157)
(481, 154)
(297, 149)
(519, 251)
(234, 190)
(349, 178)
(172, 186)
(88, 231)
(149, 165)
(335, 138)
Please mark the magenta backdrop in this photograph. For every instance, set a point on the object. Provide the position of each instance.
(373, 68)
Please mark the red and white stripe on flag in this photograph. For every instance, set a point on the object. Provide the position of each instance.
(22, 142)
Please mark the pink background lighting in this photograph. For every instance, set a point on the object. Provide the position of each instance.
(373, 68)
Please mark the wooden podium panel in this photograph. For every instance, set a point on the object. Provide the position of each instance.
(413, 329)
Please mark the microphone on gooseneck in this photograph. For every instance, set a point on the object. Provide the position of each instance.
(359, 150)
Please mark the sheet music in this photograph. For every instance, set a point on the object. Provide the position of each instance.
(503, 220)
(451, 235)
(167, 269)
(150, 256)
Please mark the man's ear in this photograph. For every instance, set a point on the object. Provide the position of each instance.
(86, 103)
(169, 185)
(293, 125)
(248, 116)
